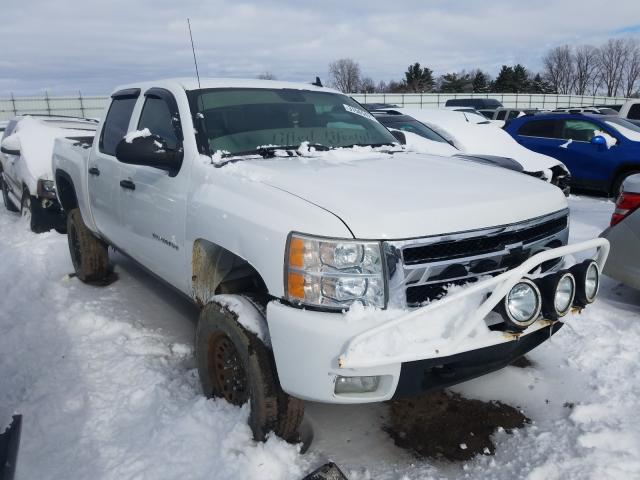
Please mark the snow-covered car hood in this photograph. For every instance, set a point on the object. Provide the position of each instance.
(36, 148)
(405, 195)
(482, 138)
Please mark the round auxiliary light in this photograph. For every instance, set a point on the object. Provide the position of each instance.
(587, 276)
(564, 293)
(521, 307)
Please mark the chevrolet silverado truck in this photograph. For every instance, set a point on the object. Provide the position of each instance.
(330, 263)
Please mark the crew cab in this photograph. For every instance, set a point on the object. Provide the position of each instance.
(26, 179)
(331, 264)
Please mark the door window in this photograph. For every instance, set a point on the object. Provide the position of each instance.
(579, 130)
(634, 112)
(157, 117)
(539, 128)
(116, 124)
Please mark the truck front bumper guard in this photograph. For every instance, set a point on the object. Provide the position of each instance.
(499, 285)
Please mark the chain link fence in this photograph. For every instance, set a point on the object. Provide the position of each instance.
(93, 106)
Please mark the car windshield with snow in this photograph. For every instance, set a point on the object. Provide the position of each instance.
(254, 121)
(366, 273)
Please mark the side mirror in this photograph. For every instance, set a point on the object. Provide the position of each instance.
(399, 136)
(599, 140)
(151, 151)
(11, 145)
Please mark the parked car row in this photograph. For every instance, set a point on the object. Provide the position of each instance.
(26, 178)
(331, 263)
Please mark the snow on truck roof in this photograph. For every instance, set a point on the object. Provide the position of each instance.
(192, 84)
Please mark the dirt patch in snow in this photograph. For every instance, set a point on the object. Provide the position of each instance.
(444, 425)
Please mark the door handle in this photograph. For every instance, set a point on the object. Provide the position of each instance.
(128, 184)
(94, 171)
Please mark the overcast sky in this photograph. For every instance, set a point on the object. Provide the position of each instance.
(69, 45)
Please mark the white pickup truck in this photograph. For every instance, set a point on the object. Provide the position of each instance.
(330, 263)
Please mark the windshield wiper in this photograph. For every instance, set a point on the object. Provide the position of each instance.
(268, 152)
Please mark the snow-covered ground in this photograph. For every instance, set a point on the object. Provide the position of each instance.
(105, 380)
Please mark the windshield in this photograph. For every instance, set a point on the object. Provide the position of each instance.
(413, 126)
(626, 128)
(242, 120)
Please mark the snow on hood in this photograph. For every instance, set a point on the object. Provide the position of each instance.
(481, 138)
(404, 195)
(416, 143)
(36, 145)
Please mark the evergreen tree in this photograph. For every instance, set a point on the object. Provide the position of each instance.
(456, 83)
(480, 82)
(520, 79)
(418, 79)
(504, 80)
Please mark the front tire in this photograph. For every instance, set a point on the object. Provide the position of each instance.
(234, 364)
(89, 254)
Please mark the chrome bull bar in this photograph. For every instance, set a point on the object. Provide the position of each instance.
(501, 285)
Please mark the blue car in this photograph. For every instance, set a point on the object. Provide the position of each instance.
(600, 151)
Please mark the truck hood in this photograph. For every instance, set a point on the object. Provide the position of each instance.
(404, 195)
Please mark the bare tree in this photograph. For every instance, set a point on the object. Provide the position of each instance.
(367, 85)
(586, 68)
(631, 69)
(559, 69)
(611, 62)
(344, 75)
(266, 76)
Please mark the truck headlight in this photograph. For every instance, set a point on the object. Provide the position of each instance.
(334, 273)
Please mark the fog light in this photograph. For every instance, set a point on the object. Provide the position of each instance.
(356, 384)
(558, 291)
(587, 276)
(521, 306)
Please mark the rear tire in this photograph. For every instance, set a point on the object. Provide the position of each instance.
(616, 186)
(234, 364)
(89, 254)
(8, 204)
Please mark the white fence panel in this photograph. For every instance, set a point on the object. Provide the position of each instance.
(93, 106)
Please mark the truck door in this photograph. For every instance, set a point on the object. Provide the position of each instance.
(104, 169)
(154, 203)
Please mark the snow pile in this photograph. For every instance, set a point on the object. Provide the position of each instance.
(36, 148)
(102, 396)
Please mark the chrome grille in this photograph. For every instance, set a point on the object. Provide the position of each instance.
(422, 269)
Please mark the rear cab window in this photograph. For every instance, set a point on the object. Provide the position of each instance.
(117, 121)
(634, 112)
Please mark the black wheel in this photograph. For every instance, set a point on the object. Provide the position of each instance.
(616, 186)
(235, 364)
(89, 254)
(8, 204)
